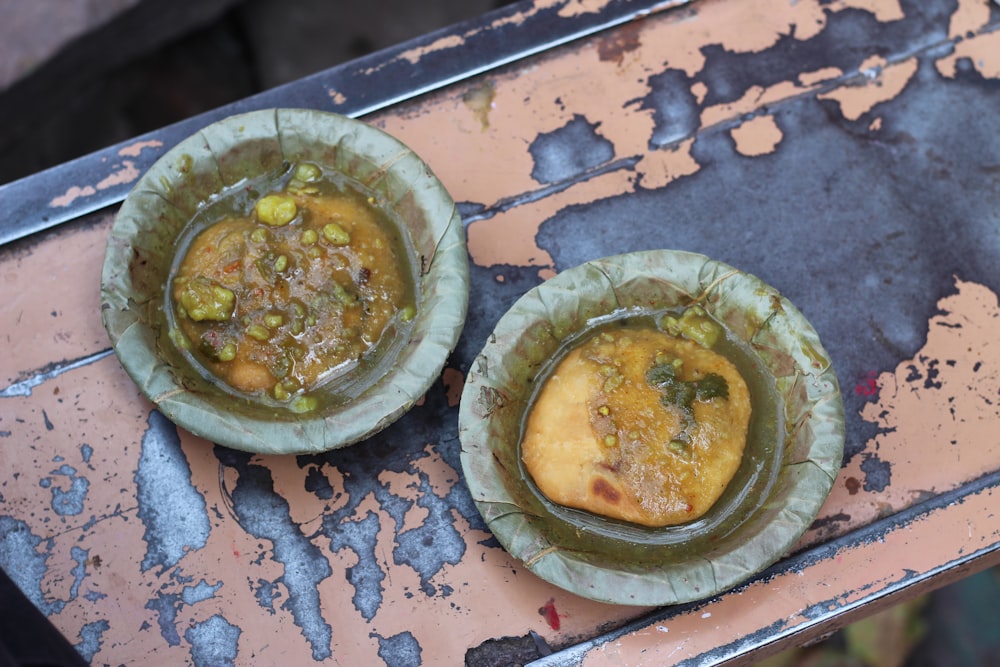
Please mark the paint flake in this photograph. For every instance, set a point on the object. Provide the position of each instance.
(135, 148)
(72, 194)
(757, 136)
(882, 83)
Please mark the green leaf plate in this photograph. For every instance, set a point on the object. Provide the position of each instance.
(233, 151)
(793, 452)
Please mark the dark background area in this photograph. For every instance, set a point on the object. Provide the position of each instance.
(114, 69)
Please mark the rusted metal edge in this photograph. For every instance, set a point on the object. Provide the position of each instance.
(413, 68)
(915, 582)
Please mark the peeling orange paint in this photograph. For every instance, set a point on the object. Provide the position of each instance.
(699, 90)
(754, 98)
(752, 27)
(542, 99)
(969, 17)
(135, 149)
(509, 236)
(659, 168)
(413, 56)
(881, 83)
(917, 419)
(811, 79)
(881, 9)
(983, 51)
(127, 173)
(757, 136)
(72, 194)
(578, 7)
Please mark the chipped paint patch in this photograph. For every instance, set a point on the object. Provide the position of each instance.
(569, 151)
(265, 514)
(25, 561)
(658, 169)
(755, 27)
(213, 642)
(170, 508)
(72, 194)
(572, 8)
(969, 17)
(127, 172)
(136, 148)
(883, 10)
(66, 501)
(699, 89)
(400, 649)
(946, 398)
(822, 75)
(413, 56)
(91, 639)
(754, 98)
(336, 96)
(981, 51)
(509, 237)
(881, 83)
(758, 136)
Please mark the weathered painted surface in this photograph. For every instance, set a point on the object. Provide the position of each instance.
(845, 152)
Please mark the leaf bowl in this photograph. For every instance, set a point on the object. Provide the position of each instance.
(793, 452)
(229, 155)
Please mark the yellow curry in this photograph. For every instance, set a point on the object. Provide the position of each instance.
(299, 291)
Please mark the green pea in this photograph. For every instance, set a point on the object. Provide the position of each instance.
(273, 320)
(258, 331)
(694, 324)
(228, 352)
(276, 210)
(610, 440)
(204, 299)
(259, 235)
(281, 263)
(280, 393)
(336, 234)
(407, 313)
(307, 172)
(309, 237)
